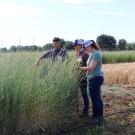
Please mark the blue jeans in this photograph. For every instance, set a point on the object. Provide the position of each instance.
(94, 86)
(83, 88)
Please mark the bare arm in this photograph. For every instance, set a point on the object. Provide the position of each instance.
(39, 59)
(44, 55)
(91, 67)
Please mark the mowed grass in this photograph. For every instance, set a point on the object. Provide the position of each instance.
(33, 98)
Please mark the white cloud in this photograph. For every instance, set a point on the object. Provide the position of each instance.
(73, 1)
(105, 12)
(85, 1)
(19, 11)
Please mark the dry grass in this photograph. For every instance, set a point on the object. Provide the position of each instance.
(123, 73)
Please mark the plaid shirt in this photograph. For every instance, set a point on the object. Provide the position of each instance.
(56, 54)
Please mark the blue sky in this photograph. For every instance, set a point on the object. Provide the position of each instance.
(38, 21)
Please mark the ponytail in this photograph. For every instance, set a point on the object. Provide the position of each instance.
(94, 45)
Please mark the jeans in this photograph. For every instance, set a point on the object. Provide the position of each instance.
(83, 88)
(94, 87)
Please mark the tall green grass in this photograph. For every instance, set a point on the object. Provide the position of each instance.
(33, 98)
(41, 99)
(118, 57)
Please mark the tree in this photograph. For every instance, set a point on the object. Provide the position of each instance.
(122, 44)
(19, 48)
(47, 46)
(13, 49)
(130, 46)
(63, 42)
(106, 42)
(4, 50)
(34, 48)
(68, 45)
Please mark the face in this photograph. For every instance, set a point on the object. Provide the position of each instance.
(77, 49)
(56, 44)
(88, 49)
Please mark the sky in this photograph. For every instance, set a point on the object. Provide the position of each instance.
(27, 22)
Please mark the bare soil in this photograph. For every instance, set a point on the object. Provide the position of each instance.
(119, 112)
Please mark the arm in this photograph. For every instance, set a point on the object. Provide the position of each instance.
(91, 67)
(44, 55)
(39, 59)
(93, 62)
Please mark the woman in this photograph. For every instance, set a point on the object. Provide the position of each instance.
(82, 58)
(95, 79)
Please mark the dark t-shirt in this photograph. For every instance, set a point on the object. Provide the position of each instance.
(85, 57)
(83, 63)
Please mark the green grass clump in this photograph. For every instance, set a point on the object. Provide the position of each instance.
(33, 98)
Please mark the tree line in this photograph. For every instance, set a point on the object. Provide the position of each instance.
(105, 42)
(109, 43)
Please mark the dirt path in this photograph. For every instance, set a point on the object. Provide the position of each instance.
(119, 104)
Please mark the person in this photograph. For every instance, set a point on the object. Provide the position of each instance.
(56, 54)
(95, 79)
(82, 58)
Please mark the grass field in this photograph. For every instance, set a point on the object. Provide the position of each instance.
(33, 97)
(42, 100)
(118, 57)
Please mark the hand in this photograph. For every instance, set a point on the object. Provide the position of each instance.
(37, 64)
(81, 68)
(79, 60)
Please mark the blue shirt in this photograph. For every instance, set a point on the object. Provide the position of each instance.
(95, 56)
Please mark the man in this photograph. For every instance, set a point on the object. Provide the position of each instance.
(55, 54)
(82, 58)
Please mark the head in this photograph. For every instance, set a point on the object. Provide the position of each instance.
(56, 42)
(90, 45)
(78, 43)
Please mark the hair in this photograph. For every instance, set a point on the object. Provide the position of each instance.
(56, 39)
(94, 45)
(75, 42)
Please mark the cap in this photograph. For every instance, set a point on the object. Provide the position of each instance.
(78, 42)
(87, 43)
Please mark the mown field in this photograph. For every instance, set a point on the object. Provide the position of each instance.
(44, 99)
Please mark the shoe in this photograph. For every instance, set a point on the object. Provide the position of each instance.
(84, 114)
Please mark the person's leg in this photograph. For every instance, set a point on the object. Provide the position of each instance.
(95, 94)
(83, 88)
(86, 103)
